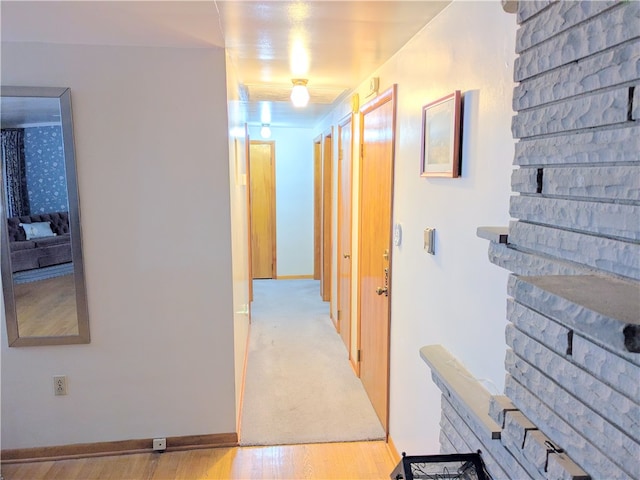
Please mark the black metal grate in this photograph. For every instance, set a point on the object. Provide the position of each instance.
(462, 466)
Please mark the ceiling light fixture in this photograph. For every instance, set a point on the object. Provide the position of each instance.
(265, 131)
(299, 93)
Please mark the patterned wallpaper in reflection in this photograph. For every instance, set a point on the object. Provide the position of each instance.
(46, 179)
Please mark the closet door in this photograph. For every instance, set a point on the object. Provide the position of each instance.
(263, 209)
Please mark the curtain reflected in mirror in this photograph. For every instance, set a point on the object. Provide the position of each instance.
(42, 269)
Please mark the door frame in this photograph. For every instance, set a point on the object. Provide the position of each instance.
(389, 95)
(247, 160)
(272, 205)
(317, 209)
(344, 328)
(327, 218)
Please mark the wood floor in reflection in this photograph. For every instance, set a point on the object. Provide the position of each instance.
(47, 307)
(353, 461)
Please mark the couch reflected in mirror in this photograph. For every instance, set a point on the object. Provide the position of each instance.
(39, 241)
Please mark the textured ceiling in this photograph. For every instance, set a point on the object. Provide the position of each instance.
(334, 44)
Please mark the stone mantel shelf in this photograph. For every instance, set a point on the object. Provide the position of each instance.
(494, 234)
(603, 308)
(458, 384)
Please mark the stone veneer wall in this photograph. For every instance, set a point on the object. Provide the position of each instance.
(571, 407)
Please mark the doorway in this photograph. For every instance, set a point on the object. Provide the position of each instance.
(377, 127)
(262, 209)
(292, 340)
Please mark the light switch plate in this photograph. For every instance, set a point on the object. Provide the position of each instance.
(429, 240)
(374, 85)
(397, 235)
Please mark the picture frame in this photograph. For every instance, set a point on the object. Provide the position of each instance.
(441, 137)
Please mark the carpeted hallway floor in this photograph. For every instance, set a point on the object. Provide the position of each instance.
(299, 386)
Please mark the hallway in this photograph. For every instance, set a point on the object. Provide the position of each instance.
(299, 386)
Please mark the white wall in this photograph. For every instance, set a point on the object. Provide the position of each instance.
(294, 198)
(455, 298)
(152, 152)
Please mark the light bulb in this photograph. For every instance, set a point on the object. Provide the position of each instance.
(299, 93)
(265, 131)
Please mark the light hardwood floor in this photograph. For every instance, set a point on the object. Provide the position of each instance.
(47, 307)
(352, 461)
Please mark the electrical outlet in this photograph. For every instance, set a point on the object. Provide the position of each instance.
(60, 384)
(159, 444)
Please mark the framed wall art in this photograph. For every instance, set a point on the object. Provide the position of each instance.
(441, 136)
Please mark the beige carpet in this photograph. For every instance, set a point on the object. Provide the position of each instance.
(299, 385)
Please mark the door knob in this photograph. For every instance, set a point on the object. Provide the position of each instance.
(385, 289)
(347, 255)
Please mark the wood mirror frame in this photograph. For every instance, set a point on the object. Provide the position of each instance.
(81, 334)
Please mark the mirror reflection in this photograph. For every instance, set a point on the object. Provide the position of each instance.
(42, 272)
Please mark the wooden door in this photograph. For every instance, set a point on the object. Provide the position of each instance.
(317, 209)
(377, 128)
(263, 209)
(345, 147)
(327, 197)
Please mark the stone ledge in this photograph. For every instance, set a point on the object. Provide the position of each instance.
(460, 384)
(604, 309)
(494, 234)
(610, 297)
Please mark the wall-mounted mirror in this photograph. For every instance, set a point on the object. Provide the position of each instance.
(42, 270)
